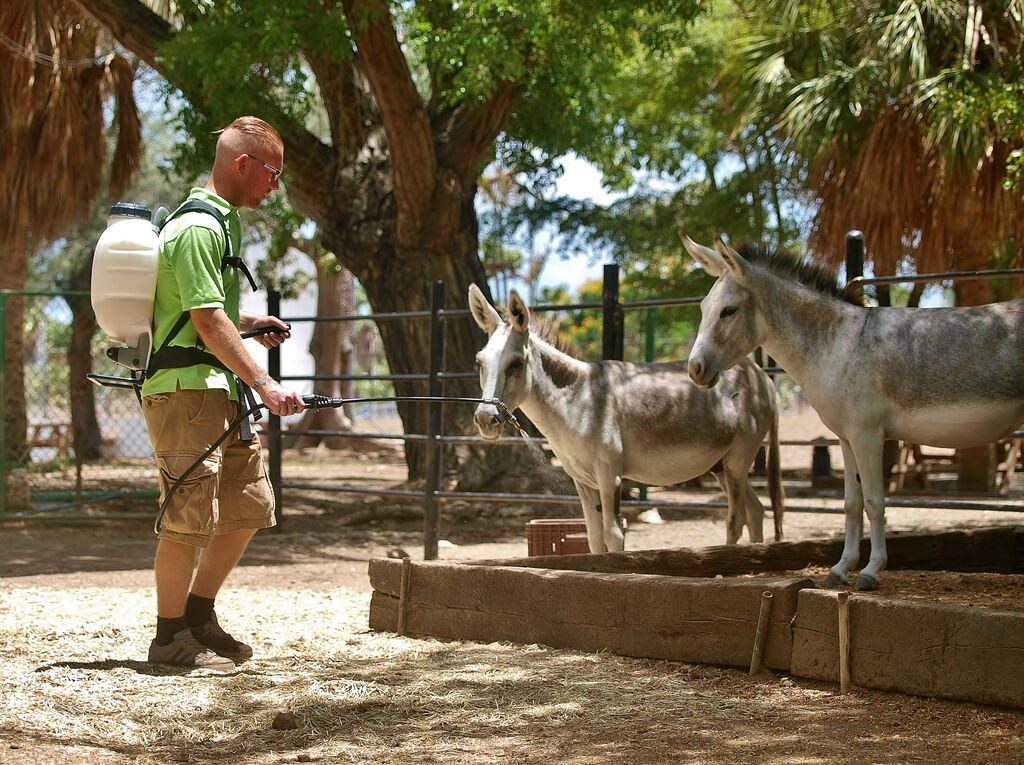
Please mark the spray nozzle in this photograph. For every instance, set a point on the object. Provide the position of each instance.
(314, 401)
(505, 415)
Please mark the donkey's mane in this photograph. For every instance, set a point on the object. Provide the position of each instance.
(546, 332)
(814, 275)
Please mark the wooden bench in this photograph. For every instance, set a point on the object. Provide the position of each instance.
(915, 464)
(51, 434)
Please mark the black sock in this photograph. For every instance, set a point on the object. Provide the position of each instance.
(198, 610)
(166, 629)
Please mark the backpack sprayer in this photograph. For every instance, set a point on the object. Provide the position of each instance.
(124, 275)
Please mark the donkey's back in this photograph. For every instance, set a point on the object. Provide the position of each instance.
(946, 376)
(670, 429)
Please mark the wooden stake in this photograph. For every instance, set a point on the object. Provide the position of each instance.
(403, 594)
(844, 642)
(761, 632)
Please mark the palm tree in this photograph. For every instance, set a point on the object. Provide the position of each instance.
(882, 97)
(875, 94)
(57, 83)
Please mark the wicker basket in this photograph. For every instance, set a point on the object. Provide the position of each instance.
(556, 536)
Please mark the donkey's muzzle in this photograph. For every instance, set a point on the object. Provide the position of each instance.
(701, 374)
(488, 420)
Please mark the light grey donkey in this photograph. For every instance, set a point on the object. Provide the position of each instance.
(610, 420)
(948, 377)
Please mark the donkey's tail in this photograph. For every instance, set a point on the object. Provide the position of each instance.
(775, 489)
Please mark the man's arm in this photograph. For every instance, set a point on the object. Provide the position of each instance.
(221, 338)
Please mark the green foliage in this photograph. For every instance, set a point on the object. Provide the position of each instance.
(683, 161)
(228, 51)
(828, 71)
(981, 105)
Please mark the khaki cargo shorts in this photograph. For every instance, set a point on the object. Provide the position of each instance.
(229, 491)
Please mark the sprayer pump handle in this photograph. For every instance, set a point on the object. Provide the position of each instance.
(269, 329)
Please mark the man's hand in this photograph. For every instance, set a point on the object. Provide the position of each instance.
(279, 399)
(250, 321)
(222, 339)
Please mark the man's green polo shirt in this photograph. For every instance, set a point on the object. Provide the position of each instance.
(190, 276)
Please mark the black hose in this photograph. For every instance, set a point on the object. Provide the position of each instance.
(314, 401)
(311, 401)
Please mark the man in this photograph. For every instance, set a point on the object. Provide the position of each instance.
(190, 398)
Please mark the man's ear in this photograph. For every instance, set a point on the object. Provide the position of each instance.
(483, 312)
(707, 257)
(737, 266)
(519, 313)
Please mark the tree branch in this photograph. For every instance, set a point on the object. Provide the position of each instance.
(141, 31)
(132, 24)
(405, 120)
(347, 100)
(469, 141)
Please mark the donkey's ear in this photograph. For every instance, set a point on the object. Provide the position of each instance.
(707, 257)
(518, 312)
(737, 266)
(483, 312)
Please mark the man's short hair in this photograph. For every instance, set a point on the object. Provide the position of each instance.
(253, 128)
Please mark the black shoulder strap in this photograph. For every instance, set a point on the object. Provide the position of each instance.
(168, 356)
(198, 205)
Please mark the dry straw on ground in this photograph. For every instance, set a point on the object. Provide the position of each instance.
(76, 690)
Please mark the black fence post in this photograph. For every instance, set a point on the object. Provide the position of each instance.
(854, 255)
(435, 449)
(611, 326)
(274, 441)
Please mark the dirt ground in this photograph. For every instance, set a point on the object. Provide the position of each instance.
(76, 616)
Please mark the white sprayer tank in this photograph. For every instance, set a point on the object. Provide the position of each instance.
(124, 271)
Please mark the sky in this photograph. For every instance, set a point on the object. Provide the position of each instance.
(580, 180)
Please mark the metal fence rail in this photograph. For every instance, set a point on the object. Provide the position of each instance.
(612, 346)
(52, 481)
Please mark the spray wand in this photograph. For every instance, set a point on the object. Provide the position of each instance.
(315, 402)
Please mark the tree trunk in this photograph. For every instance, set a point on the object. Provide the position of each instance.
(392, 196)
(401, 280)
(12, 277)
(407, 342)
(85, 428)
(330, 346)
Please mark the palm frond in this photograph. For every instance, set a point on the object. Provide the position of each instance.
(53, 89)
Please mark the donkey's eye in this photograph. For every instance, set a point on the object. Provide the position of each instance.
(514, 368)
(728, 311)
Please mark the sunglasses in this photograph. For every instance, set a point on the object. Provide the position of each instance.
(275, 172)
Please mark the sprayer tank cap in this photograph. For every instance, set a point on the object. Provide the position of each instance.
(131, 210)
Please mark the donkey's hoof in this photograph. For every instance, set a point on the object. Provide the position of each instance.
(866, 582)
(834, 580)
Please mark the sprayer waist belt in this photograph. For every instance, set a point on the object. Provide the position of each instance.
(177, 356)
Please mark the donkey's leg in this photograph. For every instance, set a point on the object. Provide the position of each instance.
(755, 515)
(744, 506)
(868, 449)
(853, 503)
(611, 494)
(736, 495)
(591, 500)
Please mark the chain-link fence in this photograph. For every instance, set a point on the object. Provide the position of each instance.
(65, 442)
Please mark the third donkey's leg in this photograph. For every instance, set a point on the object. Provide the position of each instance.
(853, 504)
(736, 514)
(591, 499)
(755, 515)
(611, 493)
